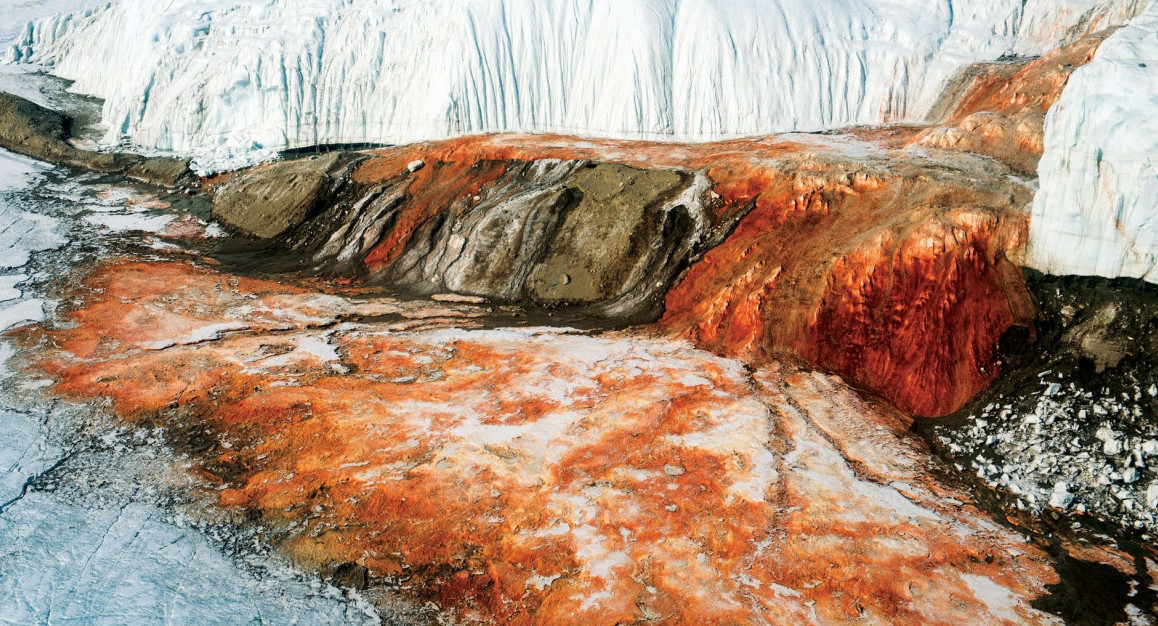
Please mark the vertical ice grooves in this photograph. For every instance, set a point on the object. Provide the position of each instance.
(238, 78)
(1095, 213)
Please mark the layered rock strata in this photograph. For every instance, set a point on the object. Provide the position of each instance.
(889, 268)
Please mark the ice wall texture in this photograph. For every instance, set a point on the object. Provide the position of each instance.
(225, 78)
(1048, 22)
(1097, 210)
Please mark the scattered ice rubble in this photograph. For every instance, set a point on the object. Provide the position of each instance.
(90, 525)
(232, 81)
(1052, 457)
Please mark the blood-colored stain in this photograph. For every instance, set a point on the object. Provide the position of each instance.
(903, 285)
(889, 271)
(536, 476)
(1001, 109)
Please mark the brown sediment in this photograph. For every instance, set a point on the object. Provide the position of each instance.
(539, 476)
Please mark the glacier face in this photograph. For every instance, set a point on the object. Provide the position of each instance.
(1046, 23)
(1097, 210)
(222, 78)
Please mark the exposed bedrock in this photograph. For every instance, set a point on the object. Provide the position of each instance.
(270, 200)
(890, 269)
(32, 130)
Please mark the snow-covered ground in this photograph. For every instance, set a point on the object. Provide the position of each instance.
(236, 79)
(87, 533)
(1097, 211)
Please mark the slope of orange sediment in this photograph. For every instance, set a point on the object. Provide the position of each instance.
(541, 476)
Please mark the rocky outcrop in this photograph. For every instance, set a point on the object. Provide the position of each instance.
(271, 200)
(604, 238)
(892, 270)
(32, 130)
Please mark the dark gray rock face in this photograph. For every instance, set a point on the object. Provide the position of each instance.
(267, 202)
(1073, 424)
(32, 130)
(604, 239)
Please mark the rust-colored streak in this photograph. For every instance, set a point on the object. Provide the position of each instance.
(1034, 86)
(431, 191)
(902, 284)
(536, 476)
(920, 317)
(890, 271)
(1001, 112)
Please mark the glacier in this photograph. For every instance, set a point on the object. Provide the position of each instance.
(1046, 23)
(233, 81)
(1097, 210)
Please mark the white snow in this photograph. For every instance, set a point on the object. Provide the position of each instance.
(8, 287)
(22, 233)
(131, 222)
(1097, 210)
(72, 564)
(21, 312)
(230, 80)
(996, 598)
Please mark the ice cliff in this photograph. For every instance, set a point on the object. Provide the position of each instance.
(228, 78)
(1097, 211)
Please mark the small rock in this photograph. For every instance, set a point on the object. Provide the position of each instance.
(1152, 495)
(1130, 475)
(1061, 498)
(1053, 389)
(414, 166)
(352, 575)
(1111, 444)
(673, 470)
(1150, 448)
